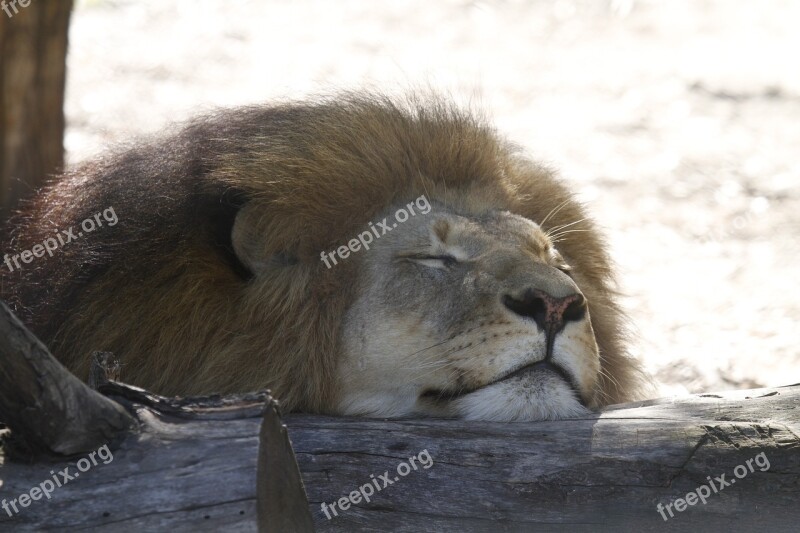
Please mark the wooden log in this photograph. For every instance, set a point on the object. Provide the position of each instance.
(105, 367)
(192, 467)
(67, 417)
(50, 410)
(189, 464)
(282, 502)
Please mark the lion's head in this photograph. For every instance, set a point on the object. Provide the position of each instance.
(493, 300)
(469, 315)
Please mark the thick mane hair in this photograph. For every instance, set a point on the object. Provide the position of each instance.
(165, 290)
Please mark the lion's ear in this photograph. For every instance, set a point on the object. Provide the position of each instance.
(248, 242)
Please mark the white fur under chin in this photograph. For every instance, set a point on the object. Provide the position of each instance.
(535, 396)
(539, 396)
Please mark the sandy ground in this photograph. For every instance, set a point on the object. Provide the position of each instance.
(677, 121)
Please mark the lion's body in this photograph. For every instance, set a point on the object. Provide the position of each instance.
(167, 288)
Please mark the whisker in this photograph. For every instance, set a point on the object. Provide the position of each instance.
(465, 351)
(563, 226)
(553, 211)
(432, 365)
(603, 372)
(428, 348)
(558, 238)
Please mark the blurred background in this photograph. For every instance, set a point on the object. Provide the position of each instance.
(678, 122)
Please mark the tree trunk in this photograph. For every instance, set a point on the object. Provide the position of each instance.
(33, 48)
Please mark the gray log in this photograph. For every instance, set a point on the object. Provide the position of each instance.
(194, 469)
(190, 464)
(282, 502)
(51, 410)
(52, 414)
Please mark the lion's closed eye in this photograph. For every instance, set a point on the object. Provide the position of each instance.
(434, 261)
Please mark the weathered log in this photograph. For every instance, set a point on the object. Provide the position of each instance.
(71, 418)
(50, 410)
(193, 468)
(189, 464)
(105, 367)
(282, 503)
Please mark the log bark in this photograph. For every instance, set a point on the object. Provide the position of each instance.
(192, 467)
(281, 496)
(33, 49)
(51, 411)
(211, 463)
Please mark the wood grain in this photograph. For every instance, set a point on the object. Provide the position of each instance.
(194, 469)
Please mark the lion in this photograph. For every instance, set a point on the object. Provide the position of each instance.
(491, 298)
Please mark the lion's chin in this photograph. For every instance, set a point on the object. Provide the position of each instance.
(533, 396)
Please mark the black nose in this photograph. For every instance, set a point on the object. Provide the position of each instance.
(551, 314)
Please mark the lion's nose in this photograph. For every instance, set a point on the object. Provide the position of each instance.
(550, 313)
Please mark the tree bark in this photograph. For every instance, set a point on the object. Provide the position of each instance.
(51, 411)
(281, 496)
(33, 48)
(212, 463)
(193, 467)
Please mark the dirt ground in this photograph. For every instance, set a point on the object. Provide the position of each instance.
(677, 121)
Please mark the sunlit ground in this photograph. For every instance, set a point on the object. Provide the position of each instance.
(677, 121)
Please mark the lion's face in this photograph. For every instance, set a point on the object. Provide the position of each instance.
(475, 317)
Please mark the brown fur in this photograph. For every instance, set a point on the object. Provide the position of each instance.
(164, 290)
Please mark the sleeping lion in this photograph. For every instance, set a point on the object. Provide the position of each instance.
(358, 255)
